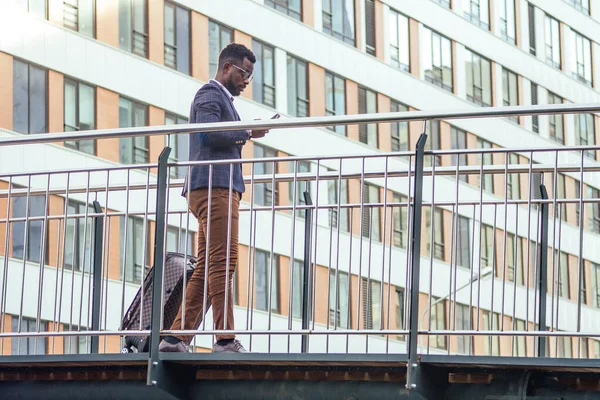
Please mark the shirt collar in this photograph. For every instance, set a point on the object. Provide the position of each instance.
(224, 88)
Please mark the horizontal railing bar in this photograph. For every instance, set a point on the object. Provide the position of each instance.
(324, 176)
(487, 112)
(510, 333)
(74, 333)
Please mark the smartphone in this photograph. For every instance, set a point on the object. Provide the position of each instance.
(276, 116)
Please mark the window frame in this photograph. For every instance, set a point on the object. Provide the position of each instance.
(367, 104)
(396, 47)
(328, 15)
(269, 265)
(285, 8)
(132, 142)
(79, 145)
(553, 50)
(29, 95)
(261, 90)
(75, 8)
(335, 80)
(180, 149)
(173, 50)
(130, 224)
(296, 103)
(222, 30)
(477, 63)
(436, 75)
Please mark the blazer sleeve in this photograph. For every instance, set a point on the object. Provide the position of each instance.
(208, 110)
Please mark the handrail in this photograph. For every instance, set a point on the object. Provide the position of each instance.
(488, 112)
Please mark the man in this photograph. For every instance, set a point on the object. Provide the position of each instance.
(214, 103)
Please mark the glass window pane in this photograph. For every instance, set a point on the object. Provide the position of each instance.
(86, 17)
(37, 100)
(70, 106)
(170, 24)
(183, 40)
(125, 24)
(86, 107)
(257, 83)
(20, 97)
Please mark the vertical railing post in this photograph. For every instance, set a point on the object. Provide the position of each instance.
(307, 276)
(158, 269)
(543, 268)
(97, 288)
(415, 266)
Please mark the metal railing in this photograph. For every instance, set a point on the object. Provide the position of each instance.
(372, 253)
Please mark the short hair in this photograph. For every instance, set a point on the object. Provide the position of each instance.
(235, 52)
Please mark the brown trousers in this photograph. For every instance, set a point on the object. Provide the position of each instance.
(218, 275)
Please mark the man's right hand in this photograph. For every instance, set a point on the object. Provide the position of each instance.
(257, 134)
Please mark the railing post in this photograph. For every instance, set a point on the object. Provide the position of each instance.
(307, 276)
(97, 289)
(157, 271)
(415, 266)
(543, 268)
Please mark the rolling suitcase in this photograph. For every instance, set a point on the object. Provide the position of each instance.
(173, 284)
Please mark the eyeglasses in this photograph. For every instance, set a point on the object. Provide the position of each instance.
(245, 74)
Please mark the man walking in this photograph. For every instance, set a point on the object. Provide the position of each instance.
(214, 103)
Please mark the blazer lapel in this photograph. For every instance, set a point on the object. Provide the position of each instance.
(228, 100)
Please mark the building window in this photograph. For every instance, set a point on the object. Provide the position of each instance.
(338, 19)
(557, 129)
(400, 310)
(438, 235)
(463, 323)
(513, 185)
(293, 8)
(219, 36)
(520, 342)
(299, 167)
(79, 15)
(264, 74)
(438, 323)
(581, 5)
(531, 20)
(443, 3)
(486, 246)
(76, 344)
(565, 347)
(28, 345)
(179, 144)
(433, 143)
(491, 343)
(478, 12)
(80, 113)
(399, 129)
(594, 213)
(39, 8)
(29, 249)
(371, 303)
(133, 26)
(339, 299)
(585, 132)
(561, 193)
(176, 242)
(370, 215)
(267, 281)
(510, 91)
(367, 104)
(78, 238)
(596, 285)
(563, 275)
(297, 87)
(581, 63)
(507, 21)
(297, 289)
(370, 27)
(535, 119)
(399, 41)
(463, 243)
(264, 193)
(437, 59)
(479, 79)
(400, 214)
(135, 250)
(132, 150)
(177, 38)
(583, 287)
(335, 99)
(29, 98)
(458, 139)
(485, 159)
(552, 36)
(514, 259)
(338, 195)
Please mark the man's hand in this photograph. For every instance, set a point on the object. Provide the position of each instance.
(257, 134)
